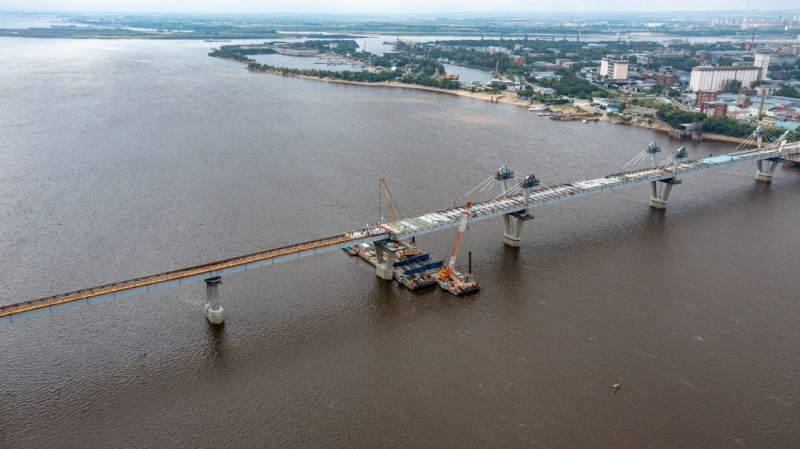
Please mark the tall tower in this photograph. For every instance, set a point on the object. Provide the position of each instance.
(746, 13)
(762, 60)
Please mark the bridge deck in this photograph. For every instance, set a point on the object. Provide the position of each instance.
(400, 229)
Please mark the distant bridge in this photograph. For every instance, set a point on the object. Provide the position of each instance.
(512, 205)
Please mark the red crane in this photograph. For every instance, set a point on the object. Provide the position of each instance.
(447, 271)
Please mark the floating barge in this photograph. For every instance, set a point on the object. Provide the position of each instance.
(411, 268)
(457, 283)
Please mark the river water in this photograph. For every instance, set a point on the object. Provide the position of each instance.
(125, 158)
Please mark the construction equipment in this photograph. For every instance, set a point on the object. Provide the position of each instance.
(450, 279)
(446, 272)
(388, 197)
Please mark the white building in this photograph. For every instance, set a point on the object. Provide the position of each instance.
(616, 69)
(770, 89)
(714, 79)
(762, 60)
(493, 50)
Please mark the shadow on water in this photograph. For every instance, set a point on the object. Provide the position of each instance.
(510, 263)
(385, 300)
(217, 349)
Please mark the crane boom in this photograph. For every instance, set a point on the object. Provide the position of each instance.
(447, 271)
(388, 198)
(462, 226)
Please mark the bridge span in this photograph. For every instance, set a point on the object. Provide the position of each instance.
(512, 205)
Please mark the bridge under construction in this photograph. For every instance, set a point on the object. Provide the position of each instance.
(513, 205)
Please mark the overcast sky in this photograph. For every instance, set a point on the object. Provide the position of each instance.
(379, 6)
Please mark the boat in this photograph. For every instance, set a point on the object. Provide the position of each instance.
(538, 108)
(457, 283)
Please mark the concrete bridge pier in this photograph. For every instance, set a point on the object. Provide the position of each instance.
(766, 175)
(512, 230)
(658, 200)
(214, 311)
(385, 261)
(513, 222)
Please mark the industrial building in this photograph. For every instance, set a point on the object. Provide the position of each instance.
(762, 60)
(715, 78)
(613, 68)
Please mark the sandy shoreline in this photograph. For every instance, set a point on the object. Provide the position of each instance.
(657, 124)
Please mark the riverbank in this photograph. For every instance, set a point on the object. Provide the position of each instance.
(497, 98)
(657, 124)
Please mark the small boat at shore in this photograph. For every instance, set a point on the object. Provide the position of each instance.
(538, 108)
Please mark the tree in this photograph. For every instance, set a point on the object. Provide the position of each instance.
(673, 93)
(725, 62)
(731, 86)
(632, 59)
(788, 91)
(676, 116)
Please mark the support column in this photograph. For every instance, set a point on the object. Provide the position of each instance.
(384, 267)
(513, 222)
(214, 311)
(658, 200)
(766, 175)
(512, 230)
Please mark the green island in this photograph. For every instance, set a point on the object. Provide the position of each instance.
(419, 71)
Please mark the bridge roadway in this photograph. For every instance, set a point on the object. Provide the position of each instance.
(401, 229)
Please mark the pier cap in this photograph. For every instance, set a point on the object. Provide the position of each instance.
(530, 181)
(503, 173)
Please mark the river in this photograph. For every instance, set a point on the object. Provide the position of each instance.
(125, 158)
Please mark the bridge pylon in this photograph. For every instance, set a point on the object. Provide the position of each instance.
(214, 311)
(513, 222)
(659, 196)
(512, 228)
(384, 267)
(761, 173)
(766, 175)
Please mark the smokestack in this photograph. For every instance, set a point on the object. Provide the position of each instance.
(761, 105)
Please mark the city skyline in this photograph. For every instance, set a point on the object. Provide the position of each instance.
(367, 7)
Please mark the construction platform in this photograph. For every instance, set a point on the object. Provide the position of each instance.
(413, 268)
(457, 283)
